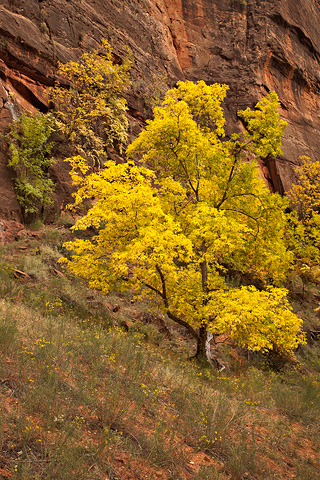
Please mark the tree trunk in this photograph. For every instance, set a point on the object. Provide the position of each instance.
(204, 351)
(201, 344)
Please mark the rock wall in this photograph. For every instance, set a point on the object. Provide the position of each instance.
(254, 46)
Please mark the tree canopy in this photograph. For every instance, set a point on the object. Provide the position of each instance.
(91, 110)
(303, 234)
(191, 218)
(30, 157)
(305, 193)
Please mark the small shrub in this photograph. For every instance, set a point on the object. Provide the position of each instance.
(44, 28)
(30, 157)
(52, 236)
(239, 3)
(36, 224)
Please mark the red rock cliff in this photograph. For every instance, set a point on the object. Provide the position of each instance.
(253, 46)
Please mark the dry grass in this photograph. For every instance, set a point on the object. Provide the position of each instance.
(81, 398)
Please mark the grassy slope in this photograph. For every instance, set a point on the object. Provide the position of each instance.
(83, 398)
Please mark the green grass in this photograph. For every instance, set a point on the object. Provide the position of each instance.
(81, 398)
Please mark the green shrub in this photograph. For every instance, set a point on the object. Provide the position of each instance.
(30, 157)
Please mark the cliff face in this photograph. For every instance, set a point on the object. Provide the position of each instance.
(254, 46)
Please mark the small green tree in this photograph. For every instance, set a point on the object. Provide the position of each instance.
(91, 112)
(30, 157)
(177, 231)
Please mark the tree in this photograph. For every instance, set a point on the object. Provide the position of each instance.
(303, 234)
(91, 112)
(30, 156)
(305, 193)
(178, 231)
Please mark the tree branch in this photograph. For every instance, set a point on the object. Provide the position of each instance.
(224, 196)
(243, 213)
(195, 190)
(236, 153)
(164, 289)
(198, 180)
(154, 289)
(171, 315)
(178, 320)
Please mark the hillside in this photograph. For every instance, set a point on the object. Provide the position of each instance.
(195, 354)
(96, 387)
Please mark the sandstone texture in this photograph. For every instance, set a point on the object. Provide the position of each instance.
(254, 46)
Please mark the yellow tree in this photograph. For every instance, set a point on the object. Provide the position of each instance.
(305, 193)
(91, 111)
(175, 232)
(304, 232)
